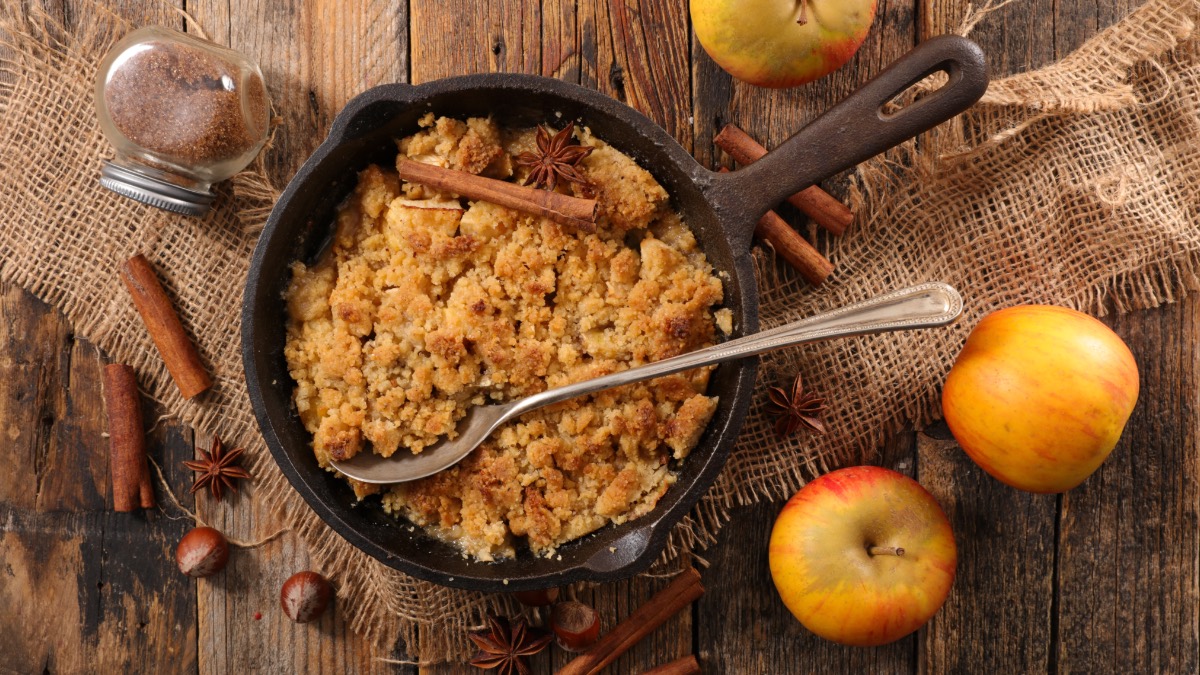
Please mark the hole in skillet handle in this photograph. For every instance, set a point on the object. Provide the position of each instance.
(946, 75)
(915, 93)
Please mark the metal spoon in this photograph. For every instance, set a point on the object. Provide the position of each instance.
(924, 306)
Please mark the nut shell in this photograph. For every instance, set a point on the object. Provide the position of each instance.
(576, 625)
(202, 552)
(304, 596)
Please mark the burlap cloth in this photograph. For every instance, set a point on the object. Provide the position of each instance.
(1077, 184)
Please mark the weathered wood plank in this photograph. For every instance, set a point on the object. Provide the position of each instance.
(243, 627)
(315, 56)
(54, 591)
(85, 589)
(33, 358)
(997, 618)
(146, 610)
(1016, 37)
(1075, 21)
(638, 53)
(1125, 598)
(560, 40)
(75, 473)
(461, 37)
(1129, 593)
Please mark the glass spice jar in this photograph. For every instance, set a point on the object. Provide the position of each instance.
(182, 113)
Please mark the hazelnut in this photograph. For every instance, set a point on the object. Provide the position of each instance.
(202, 552)
(304, 596)
(576, 626)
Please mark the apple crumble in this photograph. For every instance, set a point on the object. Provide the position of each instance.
(426, 305)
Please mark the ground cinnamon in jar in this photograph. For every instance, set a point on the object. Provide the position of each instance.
(177, 100)
(182, 114)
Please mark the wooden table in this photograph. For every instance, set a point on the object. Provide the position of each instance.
(1101, 579)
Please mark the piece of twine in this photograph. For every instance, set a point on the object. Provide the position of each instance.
(162, 481)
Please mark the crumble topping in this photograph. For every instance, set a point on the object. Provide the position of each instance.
(426, 305)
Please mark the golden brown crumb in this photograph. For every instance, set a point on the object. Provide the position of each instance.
(426, 306)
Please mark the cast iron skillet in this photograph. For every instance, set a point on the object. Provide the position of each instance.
(720, 208)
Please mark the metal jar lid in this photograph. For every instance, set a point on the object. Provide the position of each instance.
(154, 191)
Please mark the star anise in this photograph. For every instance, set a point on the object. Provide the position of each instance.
(556, 158)
(796, 410)
(504, 646)
(217, 469)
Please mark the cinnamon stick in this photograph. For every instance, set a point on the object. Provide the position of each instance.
(818, 204)
(131, 486)
(176, 348)
(683, 591)
(795, 249)
(562, 209)
(685, 666)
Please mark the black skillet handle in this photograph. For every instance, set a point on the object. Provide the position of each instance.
(858, 128)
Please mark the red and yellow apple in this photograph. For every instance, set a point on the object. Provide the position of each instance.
(1039, 396)
(781, 43)
(863, 556)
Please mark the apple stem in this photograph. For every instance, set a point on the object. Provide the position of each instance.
(803, 13)
(885, 550)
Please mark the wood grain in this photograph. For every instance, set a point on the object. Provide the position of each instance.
(34, 368)
(85, 589)
(460, 37)
(1085, 612)
(1128, 587)
(560, 40)
(243, 627)
(315, 55)
(997, 618)
(1015, 37)
(637, 51)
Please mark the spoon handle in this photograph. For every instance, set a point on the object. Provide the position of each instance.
(922, 306)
